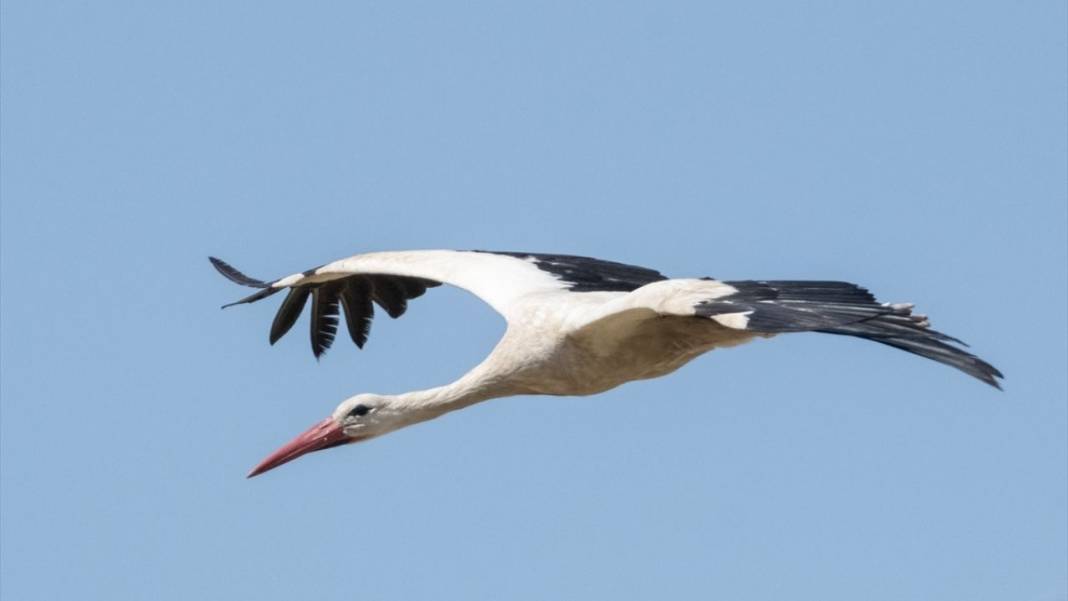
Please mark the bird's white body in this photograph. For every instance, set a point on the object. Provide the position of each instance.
(575, 326)
(558, 342)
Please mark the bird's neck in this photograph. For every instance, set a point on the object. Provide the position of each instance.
(473, 388)
(498, 375)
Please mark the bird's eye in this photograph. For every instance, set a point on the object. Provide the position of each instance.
(359, 411)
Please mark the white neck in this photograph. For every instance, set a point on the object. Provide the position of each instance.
(499, 375)
(478, 385)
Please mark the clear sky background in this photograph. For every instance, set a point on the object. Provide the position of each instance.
(916, 148)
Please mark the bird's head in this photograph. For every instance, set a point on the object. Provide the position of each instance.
(356, 419)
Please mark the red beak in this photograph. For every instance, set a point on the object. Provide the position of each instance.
(322, 435)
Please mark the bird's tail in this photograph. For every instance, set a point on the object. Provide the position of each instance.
(848, 310)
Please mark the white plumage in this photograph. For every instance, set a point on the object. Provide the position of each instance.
(576, 326)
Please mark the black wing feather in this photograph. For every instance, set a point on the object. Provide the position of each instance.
(356, 295)
(288, 312)
(232, 274)
(586, 274)
(258, 295)
(925, 343)
(415, 287)
(390, 295)
(796, 306)
(359, 310)
(324, 318)
(845, 309)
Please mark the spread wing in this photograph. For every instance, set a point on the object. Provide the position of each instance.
(356, 295)
(354, 286)
(782, 306)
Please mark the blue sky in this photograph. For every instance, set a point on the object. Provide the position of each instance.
(916, 148)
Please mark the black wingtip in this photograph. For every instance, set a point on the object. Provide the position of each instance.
(984, 372)
(993, 381)
(229, 272)
(994, 377)
(253, 297)
(288, 312)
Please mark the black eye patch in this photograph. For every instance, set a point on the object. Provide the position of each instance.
(359, 410)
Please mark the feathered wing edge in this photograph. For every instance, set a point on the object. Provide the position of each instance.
(355, 295)
(845, 309)
(923, 342)
(229, 272)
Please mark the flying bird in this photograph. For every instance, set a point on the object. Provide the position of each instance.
(576, 326)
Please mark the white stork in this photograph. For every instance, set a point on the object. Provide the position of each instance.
(576, 326)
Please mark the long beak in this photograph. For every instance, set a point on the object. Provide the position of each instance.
(322, 435)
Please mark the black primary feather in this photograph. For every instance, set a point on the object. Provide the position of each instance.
(844, 309)
(355, 294)
(288, 312)
(415, 287)
(923, 342)
(260, 294)
(359, 310)
(232, 274)
(389, 295)
(229, 272)
(324, 317)
(586, 274)
(795, 306)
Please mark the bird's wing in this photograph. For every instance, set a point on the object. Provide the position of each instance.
(390, 279)
(604, 326)
(774, 307)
